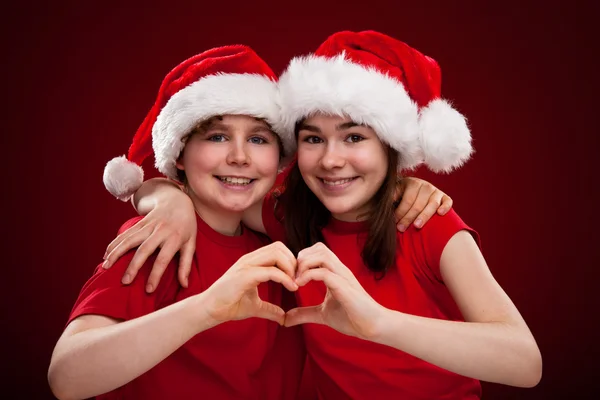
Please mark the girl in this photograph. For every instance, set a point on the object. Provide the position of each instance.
(210, 128)
(415, 315)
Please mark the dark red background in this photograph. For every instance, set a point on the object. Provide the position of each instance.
(79, 78)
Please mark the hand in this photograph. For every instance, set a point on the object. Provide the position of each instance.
(347, 307)
(234, 296)
(420, 200)
(169, 226)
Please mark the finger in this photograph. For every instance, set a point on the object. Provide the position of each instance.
(411, 190)
(122, 236)
(271, 312)
(261, 274)
(333, 281)
(185, 262)
(447, 204)
(320, 256)
(166, 254)
(432, 206)
(146, 249)
(275, 254)
(421, 199)
(399, 191)
(303, 315)
(129, 242)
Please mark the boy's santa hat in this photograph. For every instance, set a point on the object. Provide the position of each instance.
(384, 83)
(224, 80)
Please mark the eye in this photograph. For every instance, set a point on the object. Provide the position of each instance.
(354, 138)
(313, 139)
(217, 138)
(258, 140)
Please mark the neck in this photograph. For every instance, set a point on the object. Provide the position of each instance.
(223, 221)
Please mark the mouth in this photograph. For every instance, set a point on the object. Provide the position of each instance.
(235, 180)
(336, 182)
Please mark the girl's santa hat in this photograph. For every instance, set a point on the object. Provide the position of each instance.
(224, 80)
(384, 83)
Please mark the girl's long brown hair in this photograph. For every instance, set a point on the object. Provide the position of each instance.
(304, 216)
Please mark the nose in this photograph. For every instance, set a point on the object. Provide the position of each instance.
(238, 154)
(333, 157)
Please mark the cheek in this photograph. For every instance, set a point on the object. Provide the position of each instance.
(266, 160)
(307, 159)
(197, 157)
(372, 163)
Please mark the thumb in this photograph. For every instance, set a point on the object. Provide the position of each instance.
(271, 312)
(303, 315)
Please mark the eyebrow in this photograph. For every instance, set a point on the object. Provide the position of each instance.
(217, 125)
(339, 127)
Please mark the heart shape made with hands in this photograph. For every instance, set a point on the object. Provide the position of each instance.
(346, 307)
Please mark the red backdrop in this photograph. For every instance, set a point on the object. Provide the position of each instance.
(80, 77)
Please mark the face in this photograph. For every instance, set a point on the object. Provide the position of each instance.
(343, 164)
(231, 163)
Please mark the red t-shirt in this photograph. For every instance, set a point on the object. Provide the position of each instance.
(234, 360)
(345, 367)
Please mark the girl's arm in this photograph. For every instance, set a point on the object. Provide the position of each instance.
(97, 354)
(494, 344)
(170, 224)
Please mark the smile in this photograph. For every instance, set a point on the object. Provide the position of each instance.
(337, 182)
(234, 180)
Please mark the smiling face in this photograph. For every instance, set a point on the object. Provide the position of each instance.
(230, 163)
(344, 164)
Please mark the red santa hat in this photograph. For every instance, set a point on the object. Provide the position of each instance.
(223, 80)
(384, 83)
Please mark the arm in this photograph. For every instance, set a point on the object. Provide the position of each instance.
(169, 224)
(97, 354)
(494, 344)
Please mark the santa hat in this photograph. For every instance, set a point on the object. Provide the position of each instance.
(224, 80)
(384, 83)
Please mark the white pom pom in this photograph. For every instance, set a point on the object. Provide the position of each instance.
(122, 177)
(445, 137)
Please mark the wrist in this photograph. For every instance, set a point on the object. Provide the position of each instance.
(201, 317)
(382, 324)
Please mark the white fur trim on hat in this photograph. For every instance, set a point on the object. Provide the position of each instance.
(338, 86)
(122, 177)
(445, 137)
(244, 94)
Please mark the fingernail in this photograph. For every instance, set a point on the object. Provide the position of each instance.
(105, 255)
(418, 223)
(442, 211)
(149, 288)
(126, 279)
(401, 228)
(105, 264)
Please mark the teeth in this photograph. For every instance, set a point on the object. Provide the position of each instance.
(235, 181)
(336, 183)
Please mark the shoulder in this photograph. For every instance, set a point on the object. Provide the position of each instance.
(427, 244)
(130, 223)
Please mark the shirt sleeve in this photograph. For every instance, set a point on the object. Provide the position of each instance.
(272, 217)
(104, 294)
(429, 242)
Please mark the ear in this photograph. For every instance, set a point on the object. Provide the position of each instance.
(179, 162)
